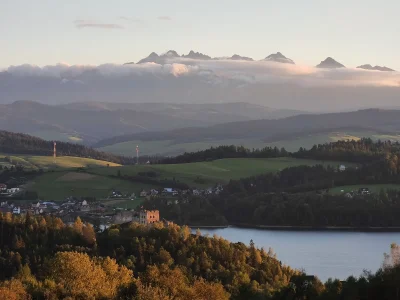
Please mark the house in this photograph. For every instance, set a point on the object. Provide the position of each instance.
(342, 168)
(363, 191)
(16, 210)
(153, 192)
(170, 191)
(218, 189)
(208, 191)
(13, 190)
(3, 187)
(116, 194)
(196, 192)
(143, 193)
(39, 205)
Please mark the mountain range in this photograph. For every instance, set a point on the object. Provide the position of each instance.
(172, 54)
(376, 68)
(328, 63)
(377, 120)
(93, 121)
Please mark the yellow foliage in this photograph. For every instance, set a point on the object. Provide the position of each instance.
(13, 290)
(80, 276)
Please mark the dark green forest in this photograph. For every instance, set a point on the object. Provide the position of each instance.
(363, 151)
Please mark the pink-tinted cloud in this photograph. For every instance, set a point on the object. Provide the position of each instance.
(93, 24)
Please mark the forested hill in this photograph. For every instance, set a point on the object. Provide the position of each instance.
(221, 152)
(364, 150)
(275, 130)
(18, 143)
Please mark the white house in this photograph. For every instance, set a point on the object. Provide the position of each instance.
(16, 210)
(342, 168)
(13, 190)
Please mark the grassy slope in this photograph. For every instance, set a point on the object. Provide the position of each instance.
(218, 171)
(59, 185)
(168, 147)
(47, 162)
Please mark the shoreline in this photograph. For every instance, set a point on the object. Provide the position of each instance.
(300, 228)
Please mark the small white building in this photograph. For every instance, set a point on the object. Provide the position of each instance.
(342, 168)
(13, 190)
(16, 210)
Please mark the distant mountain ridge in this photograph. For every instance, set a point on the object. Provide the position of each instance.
(275, 130)
(330, 63)
(279, 57)
(92, 121)
(376, 68)
(163, 58)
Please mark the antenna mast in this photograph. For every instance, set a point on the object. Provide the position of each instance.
(54, 152)
(137, 155)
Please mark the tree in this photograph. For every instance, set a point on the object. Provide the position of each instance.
(79, 276)
(78, 226)
(89, 234)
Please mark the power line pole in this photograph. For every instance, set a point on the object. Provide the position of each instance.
(54, 152)
(137, 154)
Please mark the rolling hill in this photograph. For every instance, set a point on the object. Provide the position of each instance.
(259, 133)
(22, 144)
(90, 122)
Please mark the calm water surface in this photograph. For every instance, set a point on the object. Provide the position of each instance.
(322, 253)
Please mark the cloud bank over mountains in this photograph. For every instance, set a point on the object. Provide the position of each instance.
(174, 78)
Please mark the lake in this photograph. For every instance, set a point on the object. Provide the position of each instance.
(325, 254)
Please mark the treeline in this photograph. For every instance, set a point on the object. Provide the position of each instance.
(311, 178)
(18, 143)
(364, 150)
(312, 209)
(46, 259)
(225, 152)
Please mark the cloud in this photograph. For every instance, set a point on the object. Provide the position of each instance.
(93, 24)
(65, 71)
(222, 71)
(132, 20)
(165, 18)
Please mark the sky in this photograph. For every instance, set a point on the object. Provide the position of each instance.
(46, 32)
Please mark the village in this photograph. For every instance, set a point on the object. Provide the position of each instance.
(116, 208)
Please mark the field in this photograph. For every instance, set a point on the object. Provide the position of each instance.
(57, 136)
(59, 185)
(47, 162)
(374, 188)
(171, 148)
(218, 171)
